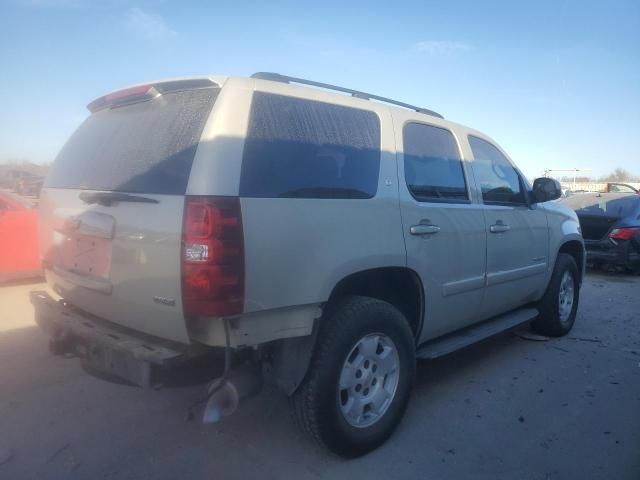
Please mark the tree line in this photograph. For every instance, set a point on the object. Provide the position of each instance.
(618, 175)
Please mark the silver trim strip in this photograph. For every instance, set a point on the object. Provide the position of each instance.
(496, 278)
(461, 286)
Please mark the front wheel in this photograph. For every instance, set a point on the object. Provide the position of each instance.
(360, 379)
(559, 305)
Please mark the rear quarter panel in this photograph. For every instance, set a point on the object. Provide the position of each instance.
(297, 250)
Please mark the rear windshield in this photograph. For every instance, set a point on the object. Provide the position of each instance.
(616, 205)
(307, 149)
(146, 147)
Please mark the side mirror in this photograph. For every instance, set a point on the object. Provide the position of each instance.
(546, 189)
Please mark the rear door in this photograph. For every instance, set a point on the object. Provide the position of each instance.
(517, 233)
(112, 208)
(444, 230)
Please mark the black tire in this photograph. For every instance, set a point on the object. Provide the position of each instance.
(634, 270)
(549, 322)
(315, 404)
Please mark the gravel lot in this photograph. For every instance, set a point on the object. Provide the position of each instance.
(509, 408)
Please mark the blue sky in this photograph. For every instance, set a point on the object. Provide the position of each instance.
(557, 84)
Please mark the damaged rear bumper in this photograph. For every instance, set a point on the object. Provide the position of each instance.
(109, 349)
(623, 253)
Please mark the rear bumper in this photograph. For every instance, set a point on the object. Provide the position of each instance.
(623, 254)
(107, 348)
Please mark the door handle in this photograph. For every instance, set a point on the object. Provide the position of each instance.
(499, 227)
(423, 229)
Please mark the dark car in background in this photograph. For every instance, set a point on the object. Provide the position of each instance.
(610, 225)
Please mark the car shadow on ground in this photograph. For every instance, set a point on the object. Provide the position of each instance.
(545, 405)
(430, 372)
(18, 282)
(612, 274)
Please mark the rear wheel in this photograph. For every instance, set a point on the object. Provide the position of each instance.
(559, 305)
(360, 379)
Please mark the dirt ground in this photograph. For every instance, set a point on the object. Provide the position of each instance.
(508, 408)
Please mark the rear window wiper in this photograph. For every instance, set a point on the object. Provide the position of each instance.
(107, 198)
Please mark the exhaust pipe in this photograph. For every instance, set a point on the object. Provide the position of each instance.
(242, 383)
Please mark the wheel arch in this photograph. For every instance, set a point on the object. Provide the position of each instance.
(399, 286)
(575, 248)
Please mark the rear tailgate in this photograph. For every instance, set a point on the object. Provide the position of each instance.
(112, 208)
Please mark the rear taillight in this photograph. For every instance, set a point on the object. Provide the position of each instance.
(625, 233)
(212, 257)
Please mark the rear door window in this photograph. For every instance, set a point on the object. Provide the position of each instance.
(146, 147)
(432, 164)
(307, 149)
(498, 180)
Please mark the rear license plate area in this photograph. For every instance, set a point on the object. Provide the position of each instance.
(86, 255)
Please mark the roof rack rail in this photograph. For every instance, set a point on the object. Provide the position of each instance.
(276, 77)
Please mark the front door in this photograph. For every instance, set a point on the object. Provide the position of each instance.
(444, 231)
(517, 233)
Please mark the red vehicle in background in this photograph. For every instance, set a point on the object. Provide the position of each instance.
(19, 257)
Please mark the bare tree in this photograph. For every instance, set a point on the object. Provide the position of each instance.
(619, 175)
(583, 179)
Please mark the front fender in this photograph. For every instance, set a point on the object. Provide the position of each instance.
(564, 227)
